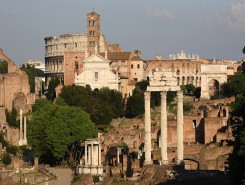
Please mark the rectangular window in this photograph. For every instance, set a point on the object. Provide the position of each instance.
(138, 66)
(96, 76)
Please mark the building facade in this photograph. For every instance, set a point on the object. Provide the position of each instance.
(98, 74)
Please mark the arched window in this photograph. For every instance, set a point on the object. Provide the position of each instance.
(76, 65)
(132, 66)
(178, 72)
(178, 81)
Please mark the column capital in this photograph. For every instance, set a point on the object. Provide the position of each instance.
(163, 94)
(147, 95)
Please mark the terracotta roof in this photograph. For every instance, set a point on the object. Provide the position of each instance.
(117, 55)
(136, 58)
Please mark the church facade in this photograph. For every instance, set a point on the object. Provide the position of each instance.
(98, 74)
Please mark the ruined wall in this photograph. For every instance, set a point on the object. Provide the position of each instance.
(211, 126)
(212, 157)
(13, 83)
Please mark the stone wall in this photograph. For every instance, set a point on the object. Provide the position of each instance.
(14, 87)
(73, 64)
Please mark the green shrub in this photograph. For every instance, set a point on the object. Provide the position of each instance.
(96, 179)
(187, 106)
(6, 159)
(12, 149)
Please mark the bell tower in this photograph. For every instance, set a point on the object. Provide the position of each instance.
(93, 32)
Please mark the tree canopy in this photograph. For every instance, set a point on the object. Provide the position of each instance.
(53, 129)
(236, 159)
(102, 104)
(51, 94)
(234, 86)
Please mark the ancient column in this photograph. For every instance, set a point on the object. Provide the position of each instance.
(147, 128)
(25, 138)
(164, 124)
(180, 144)
(86, 153)
(99, 148)
(92, 154)
(21, 130)
(89, 155)
(118, 155)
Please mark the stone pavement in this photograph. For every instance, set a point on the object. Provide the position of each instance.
(64, 176)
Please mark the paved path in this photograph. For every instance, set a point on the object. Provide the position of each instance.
(64, 176)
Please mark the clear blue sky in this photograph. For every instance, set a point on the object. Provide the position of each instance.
(209, 28)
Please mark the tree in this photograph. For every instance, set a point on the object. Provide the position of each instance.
(6, 159)
(3, 67)
(11, 117)
(54, 82)
(53, 129)
(32, 72)
(236, 159)
(188, 88)
(135, 105)
(234, 86)
(197, 93)
(102, 104)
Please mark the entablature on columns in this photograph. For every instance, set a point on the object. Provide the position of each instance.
(163, 88)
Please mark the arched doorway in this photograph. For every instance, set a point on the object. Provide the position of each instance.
(191, 164)
(213, 87)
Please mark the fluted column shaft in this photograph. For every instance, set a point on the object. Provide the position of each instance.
(147, 128)
(164, 133)
(180, 144)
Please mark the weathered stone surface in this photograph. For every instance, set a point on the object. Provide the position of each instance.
(84, 180)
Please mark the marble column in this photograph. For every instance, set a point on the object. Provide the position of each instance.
(89, 155)
(86, 154)
(21, 130)
(164, 132)
(25, 138)
(99, 152)
(147, 128)
(92, 154)
(180, 144)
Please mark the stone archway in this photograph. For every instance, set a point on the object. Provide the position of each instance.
(212, 75)
(191, 164)
(213, 87)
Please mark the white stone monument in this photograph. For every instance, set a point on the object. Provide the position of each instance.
(92, 161)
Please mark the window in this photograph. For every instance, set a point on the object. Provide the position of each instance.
(75, 44)
(96, 76)
(76, 65)
(132, 66)
(65, 45)
(138, 66)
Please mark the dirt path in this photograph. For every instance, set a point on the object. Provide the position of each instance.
(64, 176)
